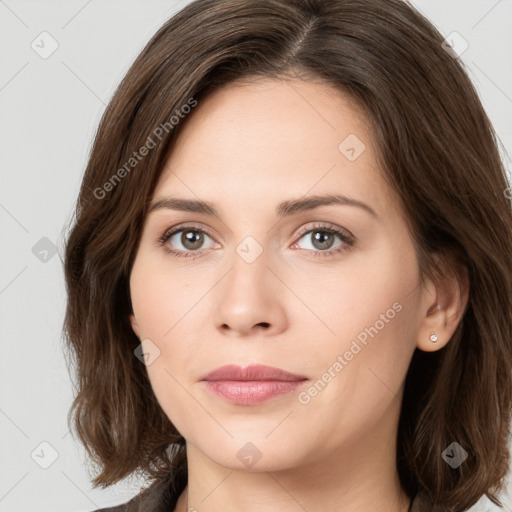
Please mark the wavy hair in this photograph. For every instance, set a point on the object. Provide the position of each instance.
(436, 147)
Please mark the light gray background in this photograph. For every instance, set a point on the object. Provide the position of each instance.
(49, 112)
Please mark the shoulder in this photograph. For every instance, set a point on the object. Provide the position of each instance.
(133, 505)
(422, 502)
(129, 506)
(159, 496)
(117, 508)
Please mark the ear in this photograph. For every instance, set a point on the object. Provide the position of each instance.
(444, 304)
(135, 325)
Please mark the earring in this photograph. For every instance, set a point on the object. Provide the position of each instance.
(433, 337)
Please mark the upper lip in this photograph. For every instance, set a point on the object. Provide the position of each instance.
(251, 373)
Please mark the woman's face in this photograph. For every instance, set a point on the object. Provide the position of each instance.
(269, 282)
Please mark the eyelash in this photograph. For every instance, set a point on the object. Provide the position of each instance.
(347, 239)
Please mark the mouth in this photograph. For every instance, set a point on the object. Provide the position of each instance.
(253, 372)
(251, 392)
(252, 384)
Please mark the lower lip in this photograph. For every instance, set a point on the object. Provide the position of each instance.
(251, 392)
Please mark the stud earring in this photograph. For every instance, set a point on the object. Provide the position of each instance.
(433, 337)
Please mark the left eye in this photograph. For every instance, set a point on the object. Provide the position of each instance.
(323, 240)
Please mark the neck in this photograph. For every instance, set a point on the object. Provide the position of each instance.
(280, 499)
(361, 475)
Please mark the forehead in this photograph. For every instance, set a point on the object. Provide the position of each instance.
(272, 139)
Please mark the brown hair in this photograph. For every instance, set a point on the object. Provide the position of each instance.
(436, 147)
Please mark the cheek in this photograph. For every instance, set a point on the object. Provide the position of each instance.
(373, 313)
(163, 306)
(160, 300)
(173, 393)
(160, 310)
(371, 284)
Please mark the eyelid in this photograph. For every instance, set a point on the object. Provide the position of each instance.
(319, 225)
(302, 231)
(182, 226)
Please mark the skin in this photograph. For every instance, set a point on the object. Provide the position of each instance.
(246, 148)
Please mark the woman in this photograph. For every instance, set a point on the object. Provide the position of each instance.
(288, 277)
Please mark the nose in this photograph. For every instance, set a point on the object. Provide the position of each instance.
(250, 299)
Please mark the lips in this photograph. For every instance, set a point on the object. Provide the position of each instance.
(252, 384)
(254, 372)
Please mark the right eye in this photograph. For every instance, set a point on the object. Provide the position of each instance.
(190, 238)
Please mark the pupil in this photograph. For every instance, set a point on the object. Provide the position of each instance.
(319, 237)
(189, 239)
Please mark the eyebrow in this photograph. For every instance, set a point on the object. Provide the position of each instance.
(284, 209)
